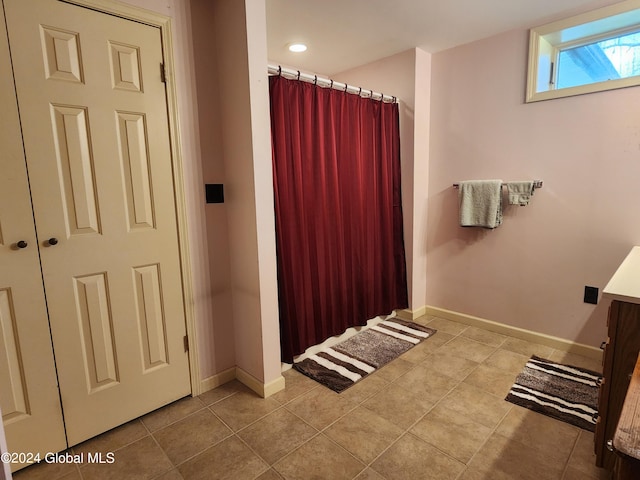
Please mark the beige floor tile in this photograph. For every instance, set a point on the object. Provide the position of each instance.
(295, 385)
(471, 473)
(452, 433)
(171, 413)
(365, 388)
(222, 392)
(140, 460)
(170, 475)
(394, 369)
(270, 474)
(47, 471)
(320, 407)
(554, 439)
(477, 404)
(228, 460)
(449, 391)
(583, 458)
(523, 347)
(319, 458)
(277, 434)
(491, 379)
(113, 439)
(369, 474)
(576, 360)
(73, 475)
(399, 406)
(243, 408)
(508, 361)
(437, 340)
(424, 319)
(364, 433)
(572, 473)
(191, 435)
(411, 457)
(503, 458)
(418, 353)
(469, 349)
(452, 366)
(426, 383)
(447, 326)
(484, 336)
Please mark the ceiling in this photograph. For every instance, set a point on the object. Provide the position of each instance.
(343, 34)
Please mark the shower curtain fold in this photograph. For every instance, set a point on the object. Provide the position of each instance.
(340, 248)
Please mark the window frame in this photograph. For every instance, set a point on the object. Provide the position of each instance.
(546, 41)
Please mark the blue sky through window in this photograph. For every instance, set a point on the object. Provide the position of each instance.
(610, 59)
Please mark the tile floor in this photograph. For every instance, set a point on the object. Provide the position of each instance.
(437, 412)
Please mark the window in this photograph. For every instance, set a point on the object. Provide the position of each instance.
(595, 51)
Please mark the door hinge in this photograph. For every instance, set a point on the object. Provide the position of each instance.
(186, 343)
(163, 73)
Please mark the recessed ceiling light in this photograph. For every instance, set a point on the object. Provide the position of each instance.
(297, 47)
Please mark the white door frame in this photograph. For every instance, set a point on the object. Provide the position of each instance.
(163, 22)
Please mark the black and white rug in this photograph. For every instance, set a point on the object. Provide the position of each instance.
(564, 392)
(342, 365)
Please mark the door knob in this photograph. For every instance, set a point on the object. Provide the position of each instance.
(52, 241)
(21, 244)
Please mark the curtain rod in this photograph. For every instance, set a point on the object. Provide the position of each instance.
(327, 82)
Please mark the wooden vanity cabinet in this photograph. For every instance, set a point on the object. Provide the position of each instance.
(620, 356)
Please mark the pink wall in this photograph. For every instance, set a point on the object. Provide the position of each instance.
(530, 272)
(217, 352)
(241, 113)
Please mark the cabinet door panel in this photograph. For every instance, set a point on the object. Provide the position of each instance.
(620, 358)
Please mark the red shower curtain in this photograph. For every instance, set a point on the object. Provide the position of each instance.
(340, 247)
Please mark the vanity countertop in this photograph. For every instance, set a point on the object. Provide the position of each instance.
(625, 283)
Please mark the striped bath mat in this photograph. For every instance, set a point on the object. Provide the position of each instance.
(560, 391)
(342, 365)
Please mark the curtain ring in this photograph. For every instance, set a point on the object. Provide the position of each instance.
(360, 91)
(394, 100)
(331, 86)
(315, 80)
(346, 85)
(298, 74)
(279, 70)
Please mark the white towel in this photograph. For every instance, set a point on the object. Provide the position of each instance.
(520, 192)
(480, 203)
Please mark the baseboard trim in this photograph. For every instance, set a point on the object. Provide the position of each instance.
(263, 389)
(218, 379)
(521, 333)
(411, 315)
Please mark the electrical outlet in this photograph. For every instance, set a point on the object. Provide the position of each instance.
(591, 295)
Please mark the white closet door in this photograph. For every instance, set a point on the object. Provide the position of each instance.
(96, 135)
(29, 397)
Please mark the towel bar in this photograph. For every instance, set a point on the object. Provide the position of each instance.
(536, 184)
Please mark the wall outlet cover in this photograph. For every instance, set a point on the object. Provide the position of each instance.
(591, 295)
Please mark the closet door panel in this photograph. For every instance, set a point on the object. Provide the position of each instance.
(70, 126)
(100, 167)
(29, 396)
